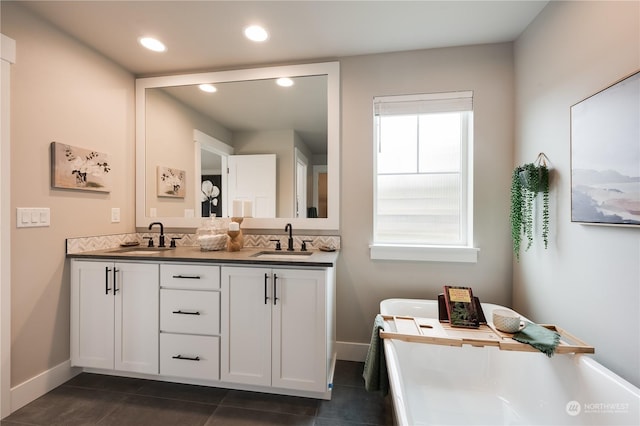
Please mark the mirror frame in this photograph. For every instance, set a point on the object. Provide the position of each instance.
(331, 69)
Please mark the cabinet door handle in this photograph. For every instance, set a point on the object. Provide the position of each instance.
(181, 312)
(266, 278)
(187, 277)
(186, 358)
(106, 279)
(275, 289)
(115, 281)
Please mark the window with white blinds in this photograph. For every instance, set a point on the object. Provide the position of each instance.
(423, 170)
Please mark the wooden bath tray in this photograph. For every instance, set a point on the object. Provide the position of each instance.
(430, 330)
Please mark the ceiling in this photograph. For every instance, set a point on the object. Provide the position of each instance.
(256, 98)
(208, 35)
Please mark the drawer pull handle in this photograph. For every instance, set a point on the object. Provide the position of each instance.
(187, 277)
(106, 279)
(181, 312)
(186, 358)
(275, 289)
(115, 281)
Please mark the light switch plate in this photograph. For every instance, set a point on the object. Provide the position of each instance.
(115, 215)
(24, 217)
(33, 217)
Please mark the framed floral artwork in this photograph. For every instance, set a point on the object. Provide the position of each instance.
(79, 168)
(171, 182)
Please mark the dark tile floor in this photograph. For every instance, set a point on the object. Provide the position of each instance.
(93, 399)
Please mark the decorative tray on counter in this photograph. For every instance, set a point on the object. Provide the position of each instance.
(430, 330)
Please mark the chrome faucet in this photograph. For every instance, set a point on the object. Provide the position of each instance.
(290, 241)
(161, 238)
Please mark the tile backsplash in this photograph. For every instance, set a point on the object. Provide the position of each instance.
(104, 242)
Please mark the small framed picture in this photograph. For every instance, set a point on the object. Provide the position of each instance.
(79, 168)
(171, 182)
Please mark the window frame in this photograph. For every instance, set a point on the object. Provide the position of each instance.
(464, 252)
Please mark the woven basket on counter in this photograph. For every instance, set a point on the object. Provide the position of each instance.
(212, 242)
(212, 235)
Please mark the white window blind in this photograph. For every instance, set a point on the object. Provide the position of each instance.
(423, 104)
(423, 170)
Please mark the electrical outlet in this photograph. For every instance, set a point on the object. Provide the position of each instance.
(115, 215)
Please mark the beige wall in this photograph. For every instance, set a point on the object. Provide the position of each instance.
(60, 91)
(588, 281)
(363, 283)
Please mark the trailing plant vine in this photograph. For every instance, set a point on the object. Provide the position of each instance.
(526, 181)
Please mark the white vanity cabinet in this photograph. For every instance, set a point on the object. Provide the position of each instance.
(277, 327)
(190, 321)
(114, 315)
(240, 324)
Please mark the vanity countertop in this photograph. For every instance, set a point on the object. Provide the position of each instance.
(245, 256)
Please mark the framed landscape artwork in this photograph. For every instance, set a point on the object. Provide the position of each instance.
(605, 156)
(79, 168)
(171, 182)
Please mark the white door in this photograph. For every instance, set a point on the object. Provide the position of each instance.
(137, 326)
(253, 178)
(92, 306)
(299, 330)
(245, 308)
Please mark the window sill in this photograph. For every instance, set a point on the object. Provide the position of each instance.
(424, 253)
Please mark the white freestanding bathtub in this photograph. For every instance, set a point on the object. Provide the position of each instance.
(443, 385)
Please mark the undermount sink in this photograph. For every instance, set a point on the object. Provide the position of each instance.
(141, 250)
(282, 254)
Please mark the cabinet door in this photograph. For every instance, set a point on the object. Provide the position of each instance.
(299, 341)
(137, 289)
(245, 345)
(92, 305)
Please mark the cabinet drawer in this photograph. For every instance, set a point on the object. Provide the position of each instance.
(187, 356)
(189, 311)
(195, 277)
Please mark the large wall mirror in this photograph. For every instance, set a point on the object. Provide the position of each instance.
(240, 142)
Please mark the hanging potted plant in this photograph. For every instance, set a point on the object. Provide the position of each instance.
(526, 182)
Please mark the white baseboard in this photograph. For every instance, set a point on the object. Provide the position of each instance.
(349, 351)
(37, 386)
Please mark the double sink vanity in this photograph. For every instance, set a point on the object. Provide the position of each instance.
(254, 319)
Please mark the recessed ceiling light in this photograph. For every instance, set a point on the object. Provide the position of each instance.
(256, 33)
(152, 44)
(284, 82)
(209, 88)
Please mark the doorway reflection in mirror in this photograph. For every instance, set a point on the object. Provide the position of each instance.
(211, 196)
